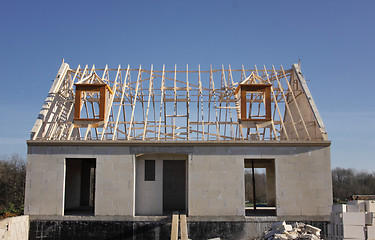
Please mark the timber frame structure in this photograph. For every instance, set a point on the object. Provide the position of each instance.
(179, 105)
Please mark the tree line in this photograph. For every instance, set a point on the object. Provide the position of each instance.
(12, 185)
(348, 182)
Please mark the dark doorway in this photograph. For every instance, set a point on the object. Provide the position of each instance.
(80, 186)
(174, 185)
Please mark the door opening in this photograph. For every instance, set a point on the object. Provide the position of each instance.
(80, 186)
(174, 186)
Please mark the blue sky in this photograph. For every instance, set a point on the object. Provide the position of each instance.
(334, 40)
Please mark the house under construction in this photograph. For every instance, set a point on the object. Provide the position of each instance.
(134, 144)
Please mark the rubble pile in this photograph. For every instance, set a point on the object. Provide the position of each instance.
(281, 230)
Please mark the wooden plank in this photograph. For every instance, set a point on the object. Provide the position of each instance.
(230, 76)
(200, 98)
(148, 102)
(310, 99)
(295, 101)
(286, 104)
(183, 227)
(187, 103)
(104, 109)
(134, 103)
(276, 104)
(161, 100)
(174, 230)
(175, 102)
(120, 106)
(215, 101)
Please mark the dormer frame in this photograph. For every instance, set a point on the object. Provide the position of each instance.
(264, 89)
(102, 89)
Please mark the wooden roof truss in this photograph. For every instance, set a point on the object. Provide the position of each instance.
(181, 104)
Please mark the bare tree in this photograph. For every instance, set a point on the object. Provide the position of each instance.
(260, 186)
(348, 182)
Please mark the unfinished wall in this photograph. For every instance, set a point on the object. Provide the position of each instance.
(271, 185)
(216, 184)
(45, 179)
(149, 194)
(215, 178)
(306, 176)
(15, 228)
(73, 183)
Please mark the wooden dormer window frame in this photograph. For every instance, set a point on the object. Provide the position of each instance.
(102, 89)
(258, 88)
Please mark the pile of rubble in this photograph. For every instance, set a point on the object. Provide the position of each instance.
(281, 230)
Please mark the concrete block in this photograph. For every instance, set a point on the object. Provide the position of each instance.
(313, 230)
(370, 205)
(370, 218)
(370, 232)
(281, 236)
(353, 218)
(338, 208)
(276, 225)
(361, 206)
(353, 232)
(352, 208)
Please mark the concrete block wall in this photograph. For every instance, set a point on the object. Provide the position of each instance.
(305, 174)
(215, 178)
(303, 180)
(149, 194)
(45, 179)
(15, 228)
(216, 185)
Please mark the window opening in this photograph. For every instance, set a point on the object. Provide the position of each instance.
(255, 101)
(260, 193)
(90, 103)
(149, 170)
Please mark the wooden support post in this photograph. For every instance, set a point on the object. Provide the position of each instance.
(174, 231)
(161, 100)
(276, 104)
(295, 101)
(286, 103)
(254, 195)
(183, 227)
(121, 104)
(187, 103)
(134, 103)
(148, 102)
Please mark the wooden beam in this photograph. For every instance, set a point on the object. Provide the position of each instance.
(174, 230)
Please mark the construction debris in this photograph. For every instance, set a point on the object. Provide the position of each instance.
(281, 230)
